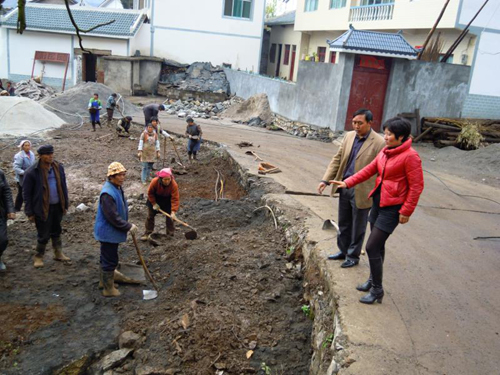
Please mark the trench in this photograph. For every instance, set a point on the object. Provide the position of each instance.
(239, 299)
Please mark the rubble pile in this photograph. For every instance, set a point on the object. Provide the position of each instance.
(197, 109)
(254, 111)
(302, 130)
(74, 102)
(23, 116)
(33, 90)
(199, 76)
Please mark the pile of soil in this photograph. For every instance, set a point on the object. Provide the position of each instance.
(75, 101)
(256, 106)
(227, 293)
(22, 116)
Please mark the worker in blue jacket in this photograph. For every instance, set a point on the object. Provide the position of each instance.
(111, 226)
(95, 106)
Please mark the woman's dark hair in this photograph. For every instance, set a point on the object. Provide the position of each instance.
(399, 127)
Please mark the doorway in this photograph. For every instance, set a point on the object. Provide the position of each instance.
(292, 64)
(89, 67)
(278, 62)
(369, 84)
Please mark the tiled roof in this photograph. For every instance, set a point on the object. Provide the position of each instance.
(55, 18)
(371, 41)
(284, 19)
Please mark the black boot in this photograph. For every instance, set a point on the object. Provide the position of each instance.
(376, 293)
(366, 286)
(93, 125)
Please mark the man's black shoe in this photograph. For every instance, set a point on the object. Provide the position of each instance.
(349, 263)
(337, 256)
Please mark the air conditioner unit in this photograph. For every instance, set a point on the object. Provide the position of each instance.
(464, 58)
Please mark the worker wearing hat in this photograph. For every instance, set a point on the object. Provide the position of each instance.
(45, 194)
(194, 133)
(111, 225)
(163, 194)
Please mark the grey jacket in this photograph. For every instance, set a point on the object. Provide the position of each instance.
(21, 163)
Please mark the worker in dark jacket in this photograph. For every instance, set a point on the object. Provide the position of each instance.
(111, 226)
(46, 201)
(6, 212)
(163, 194)
(151, 110)
(194, 133)
(124, 124)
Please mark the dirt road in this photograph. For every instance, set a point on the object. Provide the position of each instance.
(440, 315)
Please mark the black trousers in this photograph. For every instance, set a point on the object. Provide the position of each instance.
(4, 241)
(50, 228)
(352, 225)
(19, 198)
(109, 256)
(166, 205)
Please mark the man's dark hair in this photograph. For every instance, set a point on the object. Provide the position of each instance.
(399, 127)
(362, 111)
(154, 118)
(129, 118)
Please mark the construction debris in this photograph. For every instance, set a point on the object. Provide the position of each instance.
(33, 90)
(244, 144)
(198, 109)
(255, 111)
(267, 168)
(23, 116)
(466, 134)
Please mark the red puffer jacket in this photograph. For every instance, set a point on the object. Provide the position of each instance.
(400, 173)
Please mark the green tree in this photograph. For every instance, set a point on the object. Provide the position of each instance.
(271, 6)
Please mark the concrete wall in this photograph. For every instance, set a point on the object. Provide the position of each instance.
(126, 76)
(118, 76)
(318, 98)
(149, 75)
(438, 90)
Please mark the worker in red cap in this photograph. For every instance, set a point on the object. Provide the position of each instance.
(163, 193)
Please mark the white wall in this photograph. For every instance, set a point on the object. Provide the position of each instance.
(3, 53)
(142, 41)
(193, 30)
(489, 16)
(485, 79)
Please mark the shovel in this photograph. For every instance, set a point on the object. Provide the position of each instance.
(148, 294)
(330, 224)
(191, 235)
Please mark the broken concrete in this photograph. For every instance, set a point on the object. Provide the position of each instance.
(250, 109)
(33, 90)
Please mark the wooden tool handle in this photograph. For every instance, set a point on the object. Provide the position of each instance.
(175, 219)
(144, 263)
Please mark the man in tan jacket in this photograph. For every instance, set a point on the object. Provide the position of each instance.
(358, 149)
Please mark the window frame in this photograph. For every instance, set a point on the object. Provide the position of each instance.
(321, 54)
(250, 15)
(311, 5)
(338, 4)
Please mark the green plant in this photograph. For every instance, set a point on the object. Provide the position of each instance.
(265, 368)
(306, 309)
(328, 341)
(470, 137)
(290, 249)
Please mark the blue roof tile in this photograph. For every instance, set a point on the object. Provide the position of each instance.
(284, 19)
(55, 18)
(371, 41)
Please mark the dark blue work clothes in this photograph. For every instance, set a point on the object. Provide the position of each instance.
(109, 256)
(53, 195)
(50, 228)
(6, 207)
(356, 146)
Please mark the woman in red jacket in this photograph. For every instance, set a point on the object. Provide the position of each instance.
(399, 183)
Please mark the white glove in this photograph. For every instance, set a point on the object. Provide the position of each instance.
(133, 230)
(156, 207)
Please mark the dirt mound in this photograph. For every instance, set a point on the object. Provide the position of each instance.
(488, 158)
(23, 116)
(255, 107)
(75, 102)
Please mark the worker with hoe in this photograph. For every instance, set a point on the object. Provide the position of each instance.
(124, 124)
(157, 128)
(358, 149)
(194, 133)
(151, 110)
(95, 106)
(110, 106)
(163, 194)
(6, 212)
(46, 200)
(22, 161)
(149, 151)
(111, 225)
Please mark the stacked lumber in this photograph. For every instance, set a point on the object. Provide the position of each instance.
(445, 131)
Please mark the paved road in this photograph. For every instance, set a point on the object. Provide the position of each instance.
(441, 313)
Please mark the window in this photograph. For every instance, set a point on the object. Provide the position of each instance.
(449, 60)
(286, 58)
(272, 55)
(321, 54)
(311, 5)
(238, 8)
(333, 57)
(334, 4)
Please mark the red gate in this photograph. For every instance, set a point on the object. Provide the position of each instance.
(368, 87)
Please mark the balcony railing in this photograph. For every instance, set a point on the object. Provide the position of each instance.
(378, 12)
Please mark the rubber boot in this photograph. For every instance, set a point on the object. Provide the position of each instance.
(109, 285)
(40, 251)
(101, 284)
(57, 246)
(121, 278)
(376, 293)
(93, 125)
(194, 155)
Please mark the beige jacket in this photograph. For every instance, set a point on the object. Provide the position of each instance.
(366, 154)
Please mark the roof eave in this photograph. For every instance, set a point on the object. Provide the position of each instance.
(375, 53)
(66, 32)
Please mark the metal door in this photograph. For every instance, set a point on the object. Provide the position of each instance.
(368, 87)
